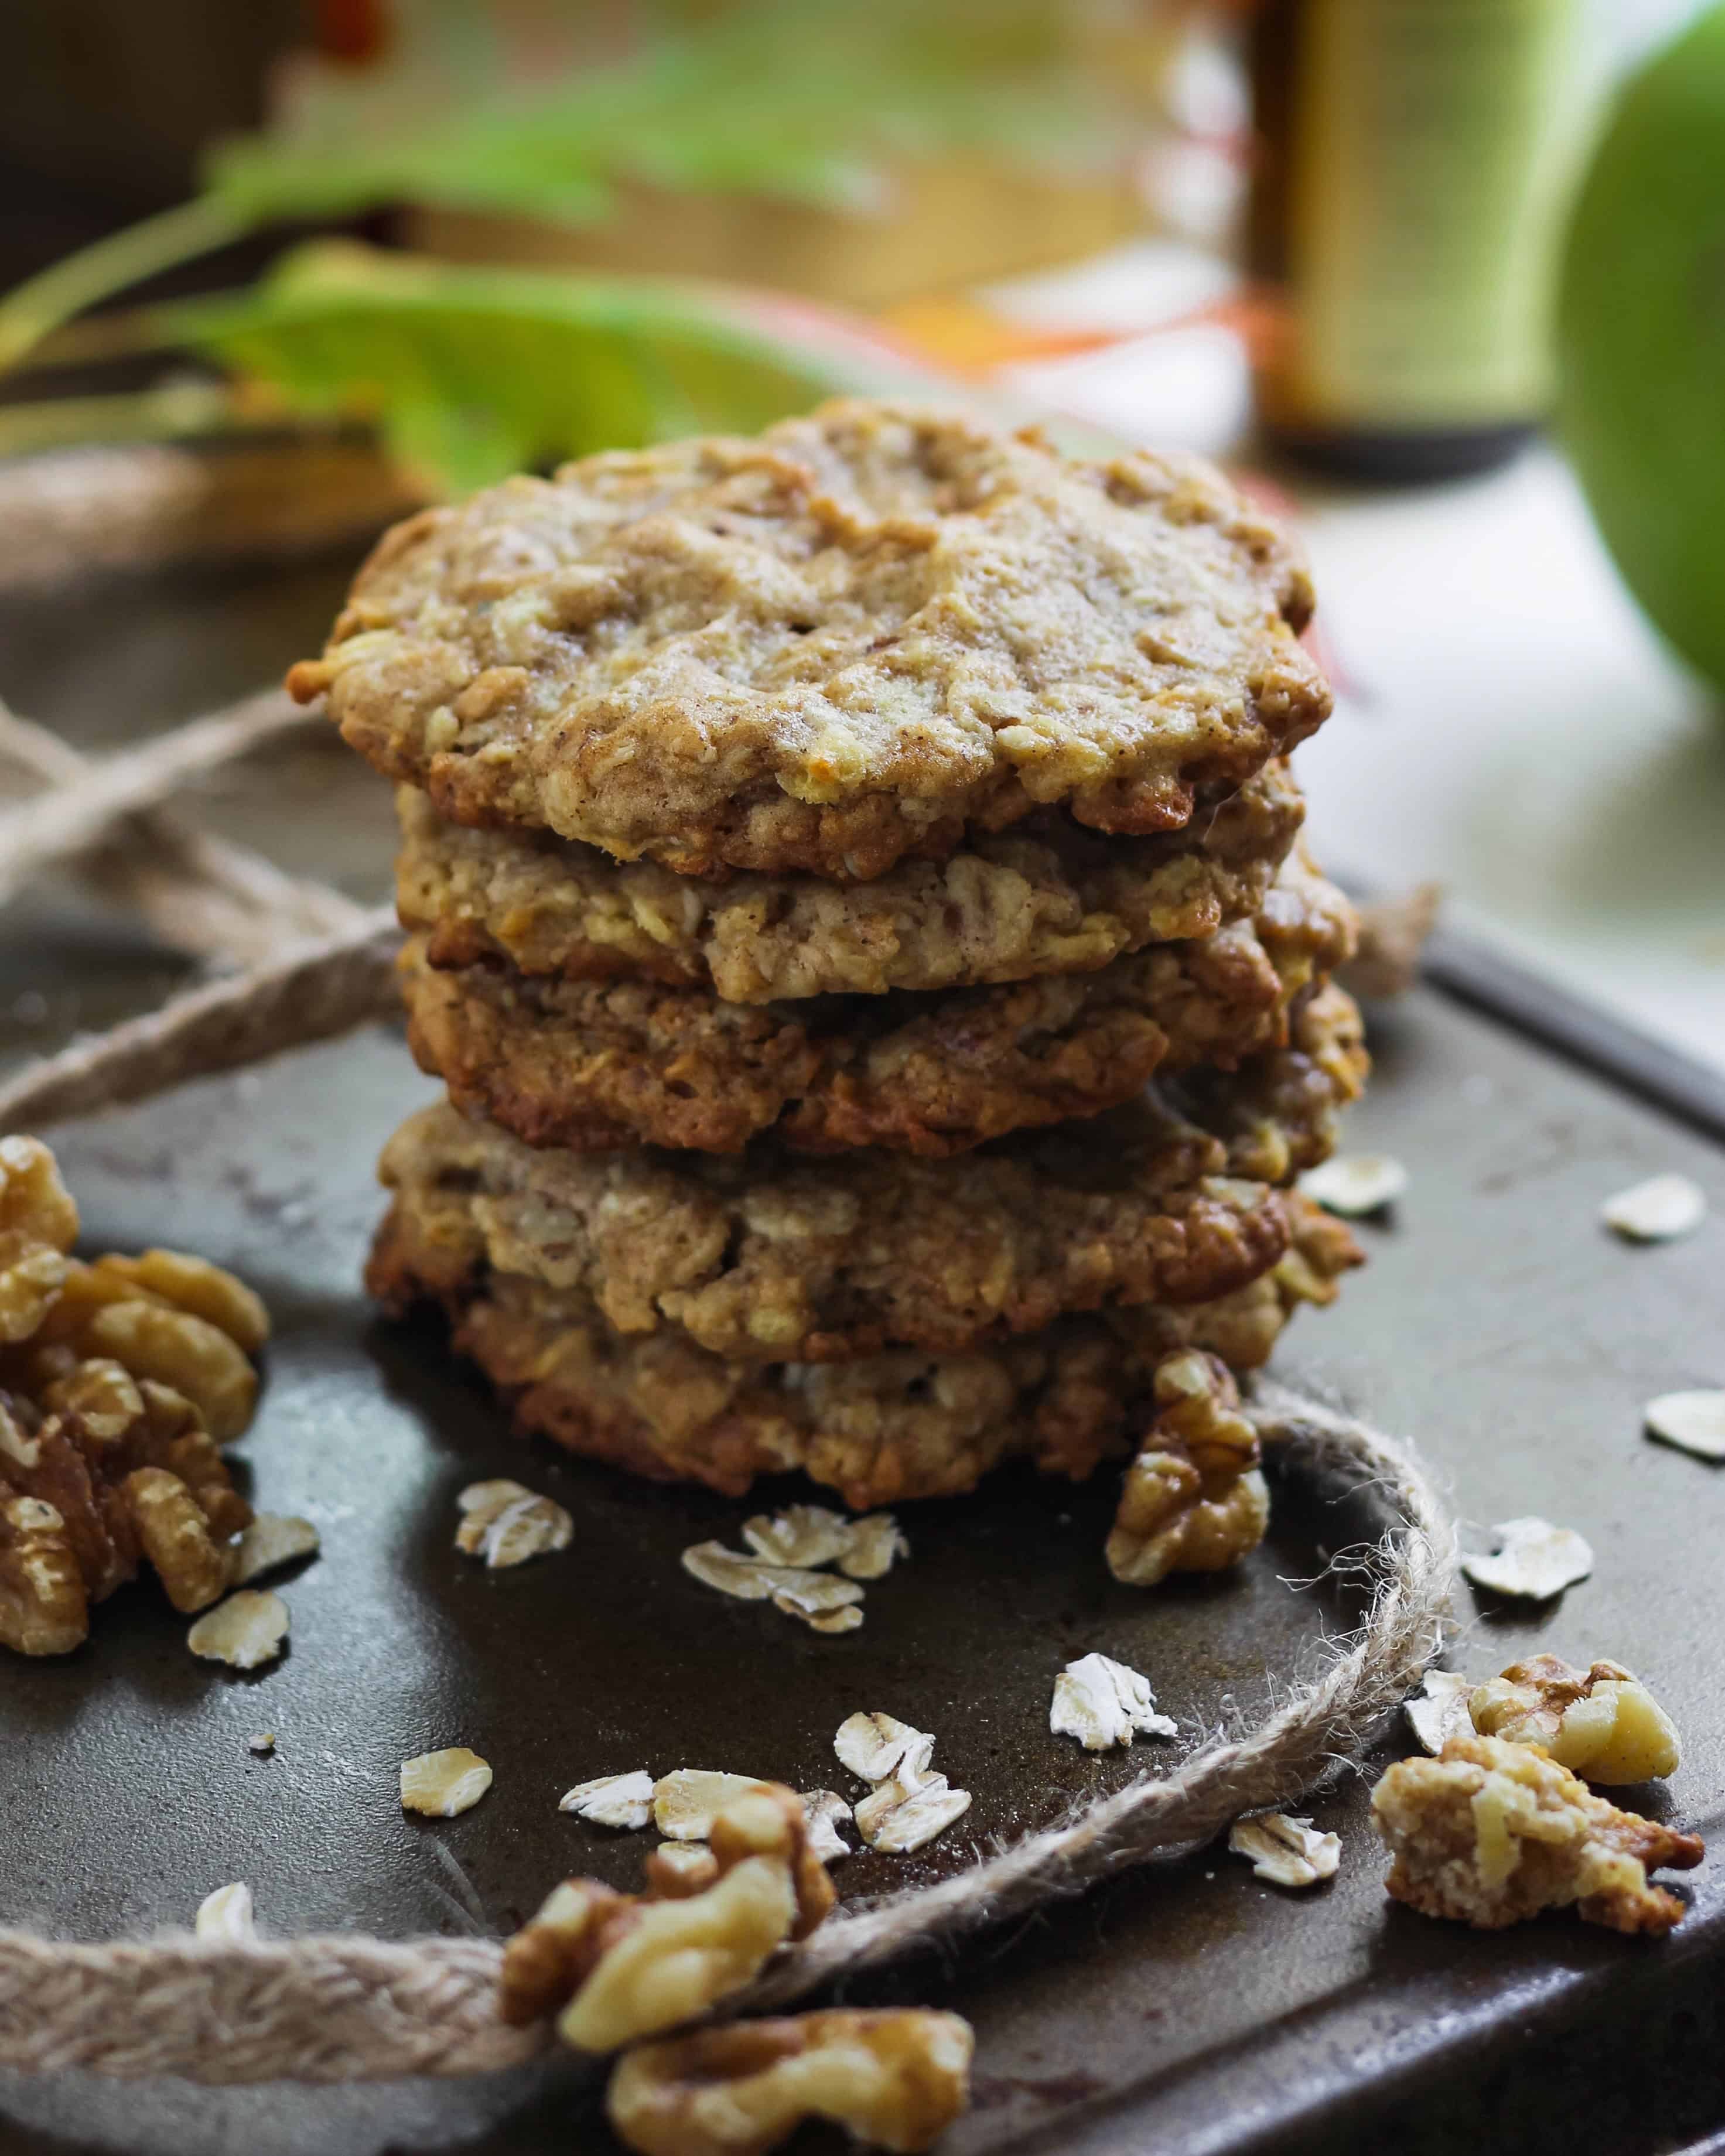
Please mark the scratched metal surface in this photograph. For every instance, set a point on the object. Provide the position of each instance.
(1189, 2008)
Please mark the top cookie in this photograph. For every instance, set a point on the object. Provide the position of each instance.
(844, 642)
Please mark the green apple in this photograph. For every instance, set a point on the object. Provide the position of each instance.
(1641, 340)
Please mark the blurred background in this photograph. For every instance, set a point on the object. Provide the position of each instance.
(1443, 276)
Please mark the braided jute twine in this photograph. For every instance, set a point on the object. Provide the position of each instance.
(327, 2009)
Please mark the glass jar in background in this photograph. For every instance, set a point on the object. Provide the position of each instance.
(1414, 160)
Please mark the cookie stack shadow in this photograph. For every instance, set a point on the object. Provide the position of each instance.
(855, 901)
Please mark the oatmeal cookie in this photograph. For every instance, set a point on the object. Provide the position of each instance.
(591, 1064)
(895, 1425)
(767, 1255)
(1046, 897)
(841, 643)
(1278, 1112)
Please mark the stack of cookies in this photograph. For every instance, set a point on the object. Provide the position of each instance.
(855, 904)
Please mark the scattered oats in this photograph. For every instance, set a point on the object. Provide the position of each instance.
(879, 1748)
(1356, 1182)
(1695, 1422)
(262, 1744)
(1536, 1561)
(1102, 1703)
(915, 1819)
(1291, 1852)
(909, 1804)
(505, 1523)
(625, 1800)
(823, 1602)
(877, 1542)
(245, 1631)
(1657, 1211)
(800, 1535)
(684, 1803)
(226, 1914)
(823, 1810)
(273, 1538)
(442, 1784)
(690, 1858)
(1443, 1713)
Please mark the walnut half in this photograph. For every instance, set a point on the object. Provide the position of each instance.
(897, 2079)
(1491, 1832)
(1193, 1500)
(616, 1967)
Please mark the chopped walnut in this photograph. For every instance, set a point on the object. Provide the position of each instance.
(1601, 1722)
(1393, 933)
(203, 1290)
(85, 1496)
(245, 1631)
(1193, 1500)
(620, 1800)
(1534, 1561)
(1491, 1832)
(896, 2078)
(505, 1524)
(620, 1967)
(1287, 1851)
(39, 1224)
(226, 1914)
(1103, 1703)
(441, 1785)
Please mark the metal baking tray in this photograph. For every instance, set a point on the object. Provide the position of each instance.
(1186, 2008)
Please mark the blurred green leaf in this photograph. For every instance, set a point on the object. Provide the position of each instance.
(472, 374)
(793, 98)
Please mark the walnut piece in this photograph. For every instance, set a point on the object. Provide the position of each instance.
(441, 1785)
(38, 1225)
(621, 1967)
(1103, 1703)
(896, 2078)
(1600, 1723)
(1193, 1500)
(1288, 1851)
(1491, 1832)
(505, 1523)
(1534, 1562)
(245, 1631)
(121, 1473)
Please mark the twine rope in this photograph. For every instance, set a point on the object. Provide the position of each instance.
(327, 2010)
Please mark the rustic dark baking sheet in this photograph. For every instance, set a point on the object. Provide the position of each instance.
(1189, 2008)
